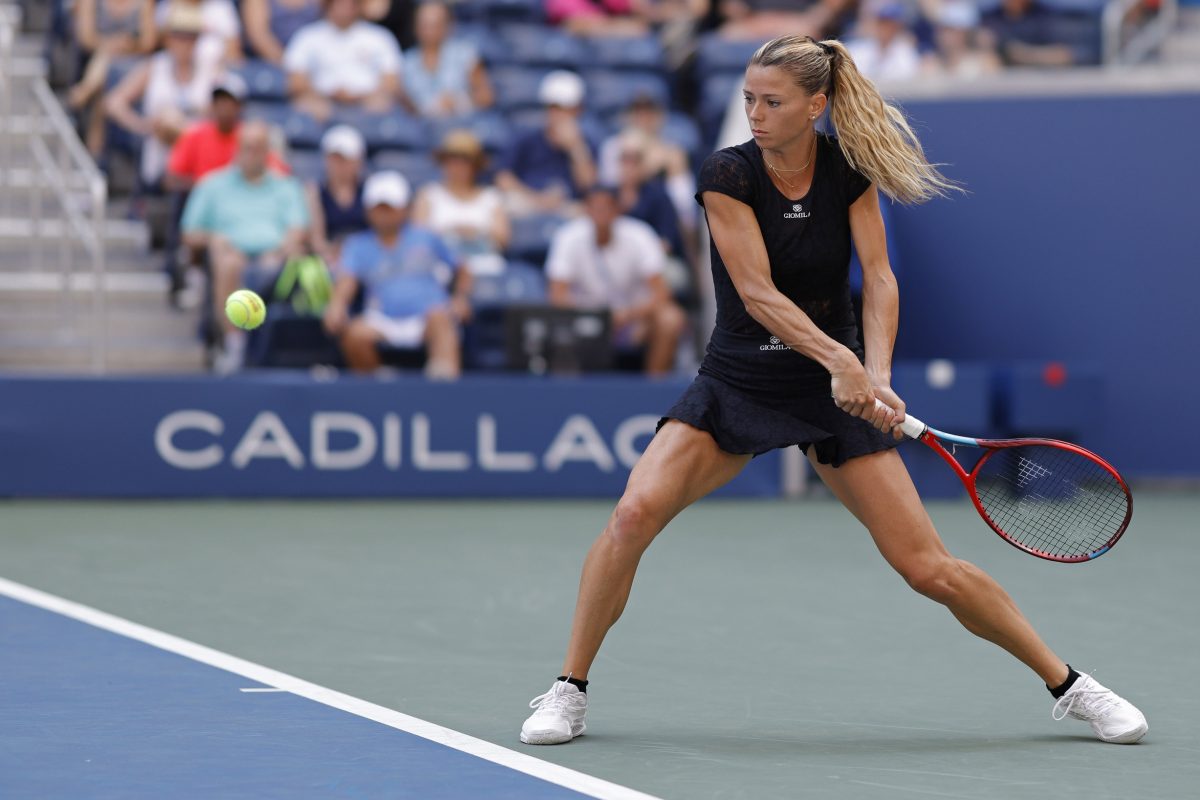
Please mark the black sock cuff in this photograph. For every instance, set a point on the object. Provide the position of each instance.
(1061, 689)
(578, 684)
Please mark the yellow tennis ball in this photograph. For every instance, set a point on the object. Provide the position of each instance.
(245, 309)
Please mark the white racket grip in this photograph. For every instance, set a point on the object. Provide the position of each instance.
(912, 427)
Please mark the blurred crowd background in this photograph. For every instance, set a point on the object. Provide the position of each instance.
(402, 180)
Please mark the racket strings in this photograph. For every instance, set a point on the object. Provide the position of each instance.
(1052, 499)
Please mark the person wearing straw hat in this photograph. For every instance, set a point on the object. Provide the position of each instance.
(463, 210)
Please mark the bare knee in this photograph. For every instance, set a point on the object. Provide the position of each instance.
(358, 346)
(941, 578)
(634, 523)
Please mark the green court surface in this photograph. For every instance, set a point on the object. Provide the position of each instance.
(767, 651)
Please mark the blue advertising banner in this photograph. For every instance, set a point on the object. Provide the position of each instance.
(290, 435)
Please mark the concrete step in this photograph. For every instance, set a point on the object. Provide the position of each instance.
(118, 360)
(125, 291)
(151, 322)
(1181, 50)
(119, 235)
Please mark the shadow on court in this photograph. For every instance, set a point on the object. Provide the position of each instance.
(767, 651)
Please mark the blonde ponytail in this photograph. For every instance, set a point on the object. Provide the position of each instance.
(873, 134)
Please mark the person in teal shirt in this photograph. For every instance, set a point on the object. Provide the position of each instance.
(245, 216)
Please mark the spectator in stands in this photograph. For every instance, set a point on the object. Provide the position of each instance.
(597, 17)
(172, 88)
(605, 260)
(271, 24)
(1030, 35)
(763, 19)
(641, 193)
(336, 203)
(106, 30)
(962, 48)
(546, 169)
(416, 291)
(659, 157)
(221, 32)
(886, 50)
(210, 144)
(444, 77)
(247, 217)
(466, 213)
(343, 59)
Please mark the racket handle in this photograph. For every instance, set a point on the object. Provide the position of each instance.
(912, 427)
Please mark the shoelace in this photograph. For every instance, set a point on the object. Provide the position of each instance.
(1094, 703)
(556, 700)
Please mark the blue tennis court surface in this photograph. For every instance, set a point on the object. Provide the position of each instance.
(90, 713)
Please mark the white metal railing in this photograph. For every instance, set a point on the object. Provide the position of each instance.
(67, 194)
(1120, 47)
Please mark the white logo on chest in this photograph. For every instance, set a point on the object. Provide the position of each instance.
(797, 212)
(775, 344)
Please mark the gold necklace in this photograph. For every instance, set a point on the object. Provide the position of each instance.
(779, 172)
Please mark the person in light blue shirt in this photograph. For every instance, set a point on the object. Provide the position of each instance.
(443, 77)
(416, 291)
(244, 215)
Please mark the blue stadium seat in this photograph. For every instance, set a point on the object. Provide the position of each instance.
(504, 11)
(715, 55)
(419, 168)
(715, 94)
(681, 129)
(307, 165)
(612, 91)
(301, 130)
(519, 283)
(492, 129)
(531, 237)
(264, 80)
(537, 45)
(517, 87)
(485, 338)
(642, 53)
(395, 130)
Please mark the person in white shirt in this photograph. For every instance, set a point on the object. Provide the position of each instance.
(343, 59)
(887, 51)
(605, 260)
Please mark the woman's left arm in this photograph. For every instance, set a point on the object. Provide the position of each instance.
(880, 296)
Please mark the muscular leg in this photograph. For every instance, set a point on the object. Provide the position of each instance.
(879, 492)
(681, 465)
(441, 340)
(358, 343)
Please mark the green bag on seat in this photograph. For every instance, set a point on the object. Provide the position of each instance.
(305, 282)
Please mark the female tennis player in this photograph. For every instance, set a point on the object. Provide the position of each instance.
(785, 367)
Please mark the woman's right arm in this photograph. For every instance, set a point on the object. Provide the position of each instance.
(739, 240)
(119, 104)
(256, 18)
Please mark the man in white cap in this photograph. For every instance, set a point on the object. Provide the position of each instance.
(548, 168)
(416, 289)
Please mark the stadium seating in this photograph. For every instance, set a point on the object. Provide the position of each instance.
(610, 91)
(531, 237)
(484, 339)
(643, 53)
(265, 81)
(517, 87)
(418, 167)
(307, 165)
(490, 127)
(395, 130)
(535, 45)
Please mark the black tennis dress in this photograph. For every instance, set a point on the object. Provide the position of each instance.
(754, 393)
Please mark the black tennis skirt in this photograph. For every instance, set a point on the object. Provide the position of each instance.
(745, 422)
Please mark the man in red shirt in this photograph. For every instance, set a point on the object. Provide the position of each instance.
(212, 143)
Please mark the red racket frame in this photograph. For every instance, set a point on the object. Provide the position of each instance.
(991, 447)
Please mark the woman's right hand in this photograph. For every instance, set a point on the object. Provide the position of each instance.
(854, 394)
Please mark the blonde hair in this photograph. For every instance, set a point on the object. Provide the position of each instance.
(873, 134)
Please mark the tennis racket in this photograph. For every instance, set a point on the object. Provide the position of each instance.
(1052, 499)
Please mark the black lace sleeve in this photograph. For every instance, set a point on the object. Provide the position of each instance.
(854, 183)
(728, 172)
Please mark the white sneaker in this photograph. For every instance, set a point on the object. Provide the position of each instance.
(558, 716)
(1113, 718)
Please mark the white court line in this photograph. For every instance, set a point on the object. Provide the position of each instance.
(551, 773)
(261, 690)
